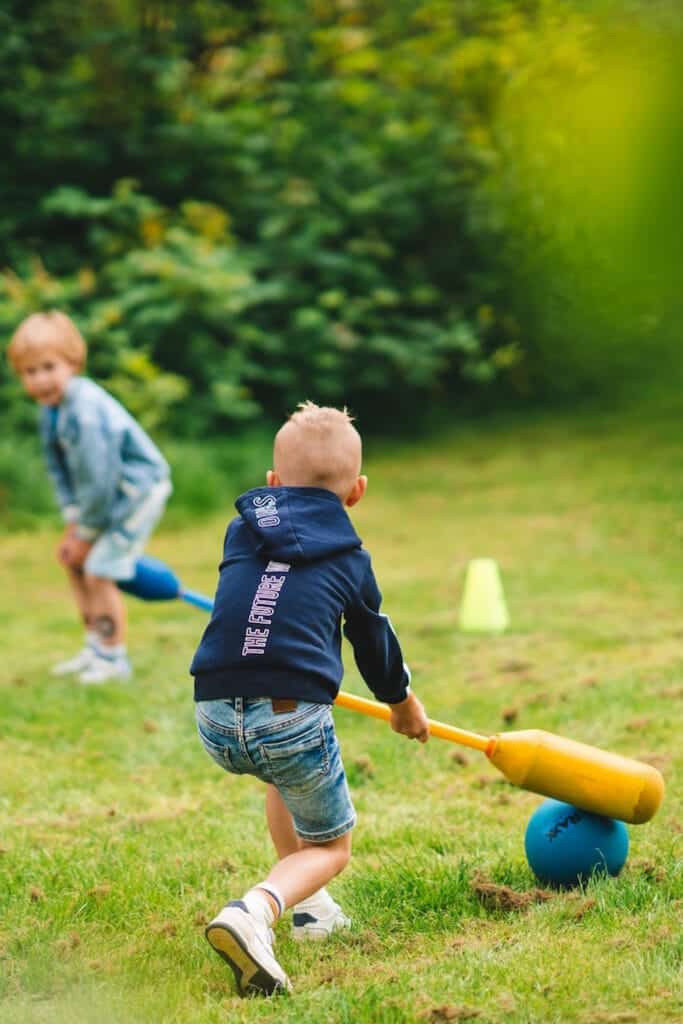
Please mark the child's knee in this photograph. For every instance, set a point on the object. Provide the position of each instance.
(99, 585)
(340, 852)
(345, 855)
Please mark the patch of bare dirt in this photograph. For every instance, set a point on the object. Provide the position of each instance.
(653, 872)
(364, 766)
(658, 761)
(579, 906)
(68, 943)
(167, 928)
(618, 1017)
(439, 1014)
(516, 666)
(224, 865)
(502, 897)
(98, 892)
(638, 724)
(541, 698)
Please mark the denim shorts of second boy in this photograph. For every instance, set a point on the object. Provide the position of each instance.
(297, 751)
(115, 552)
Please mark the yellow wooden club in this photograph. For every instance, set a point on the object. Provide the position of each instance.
(592, 779)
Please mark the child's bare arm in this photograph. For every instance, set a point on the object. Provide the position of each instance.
(72, 550)
(64, 542)
(409, 718)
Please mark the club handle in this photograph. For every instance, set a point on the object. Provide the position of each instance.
(443, 731)
(198, 600)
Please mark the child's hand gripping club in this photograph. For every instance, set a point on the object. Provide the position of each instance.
(409, 718)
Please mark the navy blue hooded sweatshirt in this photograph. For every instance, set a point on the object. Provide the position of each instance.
(292, 566)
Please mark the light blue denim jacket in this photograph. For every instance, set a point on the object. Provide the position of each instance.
(100, 460)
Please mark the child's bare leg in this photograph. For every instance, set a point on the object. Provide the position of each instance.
(107, 618)
(82, 660)
(317, 915)
(302, 873)
(280, 824)
(242, 934)
(80, 593)
(106, 610)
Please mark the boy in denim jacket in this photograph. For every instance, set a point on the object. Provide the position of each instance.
(269, 666)
(111, 482)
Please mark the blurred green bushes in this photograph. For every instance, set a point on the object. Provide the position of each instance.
(401, 206)
(591, 147)
(207, 478)
(269, 204)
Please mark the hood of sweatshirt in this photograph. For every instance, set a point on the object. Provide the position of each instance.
(296, 524)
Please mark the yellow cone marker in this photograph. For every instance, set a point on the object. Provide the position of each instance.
(483, 608)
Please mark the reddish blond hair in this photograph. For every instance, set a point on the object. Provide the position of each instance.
(53, 331)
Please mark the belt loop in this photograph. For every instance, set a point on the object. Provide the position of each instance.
(239, 725)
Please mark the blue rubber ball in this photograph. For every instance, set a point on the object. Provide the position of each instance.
(565, 845)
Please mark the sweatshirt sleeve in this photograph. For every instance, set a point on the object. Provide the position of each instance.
(97, 469)
(58, 474)
(375, 645)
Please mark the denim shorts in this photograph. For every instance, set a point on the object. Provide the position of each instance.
(115, 552)
(296, 751)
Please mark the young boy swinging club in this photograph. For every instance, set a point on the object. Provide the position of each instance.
(110, 479)
(269, 667)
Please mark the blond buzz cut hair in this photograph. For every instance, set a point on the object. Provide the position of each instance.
(318, 446)
(52, 331)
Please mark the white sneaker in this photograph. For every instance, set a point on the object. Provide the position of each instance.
(318, 922)
(245, 942)
(73, 666)
(101, 670)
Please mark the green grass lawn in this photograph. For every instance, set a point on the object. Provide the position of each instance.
(120, 838)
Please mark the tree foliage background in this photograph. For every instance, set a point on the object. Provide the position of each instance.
(401, 205)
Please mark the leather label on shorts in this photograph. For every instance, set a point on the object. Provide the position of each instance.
(283, 704)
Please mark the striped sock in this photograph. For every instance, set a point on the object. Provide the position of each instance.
(258, 893)
(92, 639)
(111, 652)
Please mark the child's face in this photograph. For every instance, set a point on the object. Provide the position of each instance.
(45, 376)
